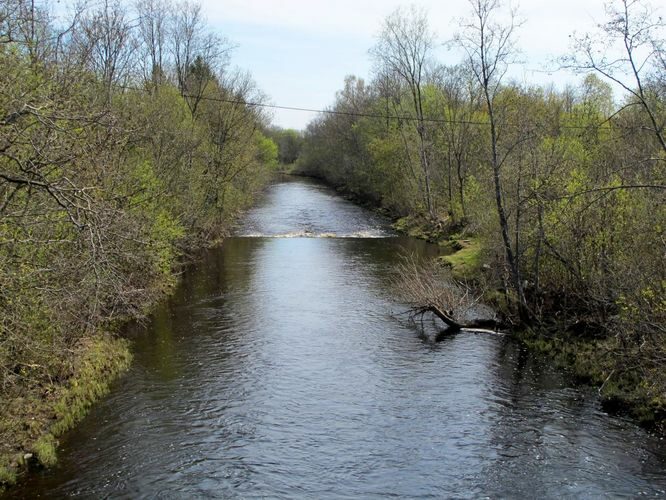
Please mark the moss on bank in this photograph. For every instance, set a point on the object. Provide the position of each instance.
(465, 261)
(624, 387)
(626, 383)
(30, 425)
(463, 254)
(422, 228)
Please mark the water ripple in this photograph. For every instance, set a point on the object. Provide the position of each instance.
(278, 371)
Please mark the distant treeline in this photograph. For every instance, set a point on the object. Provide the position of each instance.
(122, 148)
(565, 189)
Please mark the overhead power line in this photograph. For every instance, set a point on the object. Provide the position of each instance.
(241, 102)
(312, 110)
(353, 113)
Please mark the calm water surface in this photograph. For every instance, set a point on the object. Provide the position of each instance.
(281, 369)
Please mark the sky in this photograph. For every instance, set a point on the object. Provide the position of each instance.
(299, 51)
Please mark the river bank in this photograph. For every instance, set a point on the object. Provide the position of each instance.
(38, 413)
(594, 361)
(590, 352)
(32, 422)
(104, 189)
(280, 367)
(626, 384)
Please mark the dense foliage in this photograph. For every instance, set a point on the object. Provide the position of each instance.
(289, 143)
(567, 197)
(123, 146)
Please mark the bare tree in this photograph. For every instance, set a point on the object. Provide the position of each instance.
(403, 51)
(461, 99)
(153, 32)
(13, 14)
(490, 49)
(427, 287)
(30, 28)
(625, 49)
(197, 55)
(104, 41)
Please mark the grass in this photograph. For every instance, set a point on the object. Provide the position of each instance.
(465, 262)
(34, 421)
(45, 450)
(7, 476)
(102, 360)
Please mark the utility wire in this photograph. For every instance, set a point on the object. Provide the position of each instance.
(312, 110)
(365, 115)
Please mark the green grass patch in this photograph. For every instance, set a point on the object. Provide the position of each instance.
(7, 476)
(465, 262)
(34, 421)
(45, 450)
(101, 361)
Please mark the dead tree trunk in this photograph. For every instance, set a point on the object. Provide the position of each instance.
(455, 326)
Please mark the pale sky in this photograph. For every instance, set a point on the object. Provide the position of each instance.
(299, 51)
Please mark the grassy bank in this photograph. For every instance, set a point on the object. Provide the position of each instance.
(33, 421)
(104, 189)
(463, 253)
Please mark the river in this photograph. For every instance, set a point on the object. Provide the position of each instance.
(282, 368)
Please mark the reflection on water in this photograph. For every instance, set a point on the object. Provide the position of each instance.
(279, 369)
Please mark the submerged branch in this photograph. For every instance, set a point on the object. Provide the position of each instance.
(428, 289)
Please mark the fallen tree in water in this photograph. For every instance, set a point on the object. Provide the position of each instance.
(477, 324)
(429, 288)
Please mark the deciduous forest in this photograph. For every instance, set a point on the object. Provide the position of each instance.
(129, 143)
(125, 146)
(556, 199)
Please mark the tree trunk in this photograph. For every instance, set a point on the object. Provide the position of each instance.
(454, 326)
(511, 258)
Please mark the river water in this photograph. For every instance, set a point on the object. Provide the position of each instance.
(282, 368)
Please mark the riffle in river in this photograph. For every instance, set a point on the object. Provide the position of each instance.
(282, 368)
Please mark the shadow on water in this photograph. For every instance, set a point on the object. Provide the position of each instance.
(280, 369)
